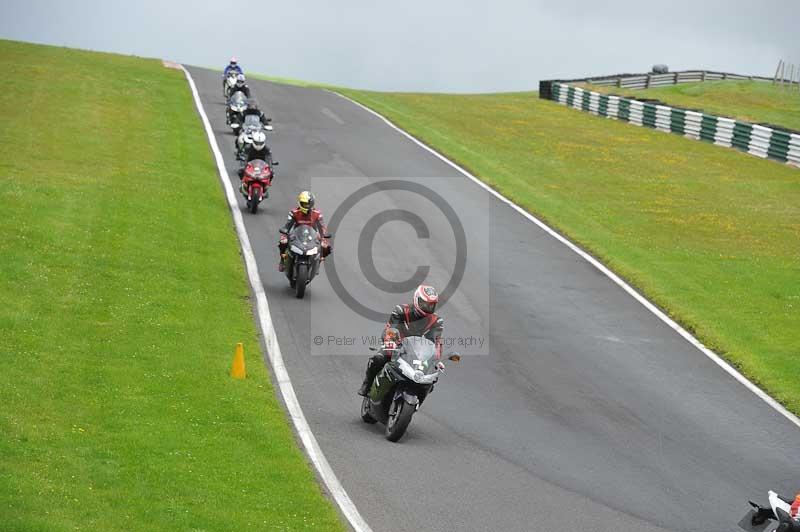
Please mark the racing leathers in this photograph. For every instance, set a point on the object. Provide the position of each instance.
(232, 67)
(312, 218)
(252, 153)
(407, 322)
(228, 69)
(256, 111)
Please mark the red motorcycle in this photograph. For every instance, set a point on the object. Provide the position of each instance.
(256, 180)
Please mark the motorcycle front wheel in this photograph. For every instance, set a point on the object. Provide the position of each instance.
(300, 281)
(399, 417)
(252, 204)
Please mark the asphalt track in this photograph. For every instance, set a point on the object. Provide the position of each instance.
(582, 410)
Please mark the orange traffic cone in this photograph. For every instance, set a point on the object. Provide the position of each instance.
(237, 368)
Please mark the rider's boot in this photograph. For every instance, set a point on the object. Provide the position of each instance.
(372, 371)
(364, 390)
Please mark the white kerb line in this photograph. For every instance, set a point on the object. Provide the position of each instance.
(597, 264)
(310, 444)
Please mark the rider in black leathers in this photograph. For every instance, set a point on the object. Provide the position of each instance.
(417, 319)
(241, 86)
(254, 150)
(253, 109)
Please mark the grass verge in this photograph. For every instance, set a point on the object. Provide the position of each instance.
(754, 101)
(123, 295)
(711, 235)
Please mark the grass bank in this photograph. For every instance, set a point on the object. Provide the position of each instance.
(123, 295)
(712, 235)
(753, 101)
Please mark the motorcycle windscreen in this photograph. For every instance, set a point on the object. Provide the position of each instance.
(420, 353)
(257, 168)
(303, 239)
(237, 98)
(252, 121)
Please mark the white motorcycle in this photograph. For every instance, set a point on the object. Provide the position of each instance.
(779, 510)
(235, 111)
(228, 84)
(251, 130)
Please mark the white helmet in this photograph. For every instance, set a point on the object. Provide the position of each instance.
(240, 80)
(259, 140)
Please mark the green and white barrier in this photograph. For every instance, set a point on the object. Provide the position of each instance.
(761, 141)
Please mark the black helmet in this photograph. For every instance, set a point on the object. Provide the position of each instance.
(252, 103)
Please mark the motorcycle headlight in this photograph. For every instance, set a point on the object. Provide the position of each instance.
(312, 251)
(296, 249)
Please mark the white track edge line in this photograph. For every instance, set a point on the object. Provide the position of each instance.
(597, 264)
(312, 448)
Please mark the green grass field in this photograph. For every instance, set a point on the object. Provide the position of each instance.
(292, 81)
(123, 295)
(712, 235)
(753, 101)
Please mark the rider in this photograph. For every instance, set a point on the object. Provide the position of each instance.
(257, 149)
(252, 109)
(303, 214)
(417, 319)
(232, 66)
(241, 85)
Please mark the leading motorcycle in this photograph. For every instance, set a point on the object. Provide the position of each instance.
(403, 384)
(251, 128)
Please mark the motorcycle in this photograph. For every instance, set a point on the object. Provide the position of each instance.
(256, 181)
(251, 126)
(401, 387)
(228, 83)
(779, 510)
(302, 257)
(236, 107)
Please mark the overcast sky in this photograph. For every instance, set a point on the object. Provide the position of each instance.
(434, 45)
